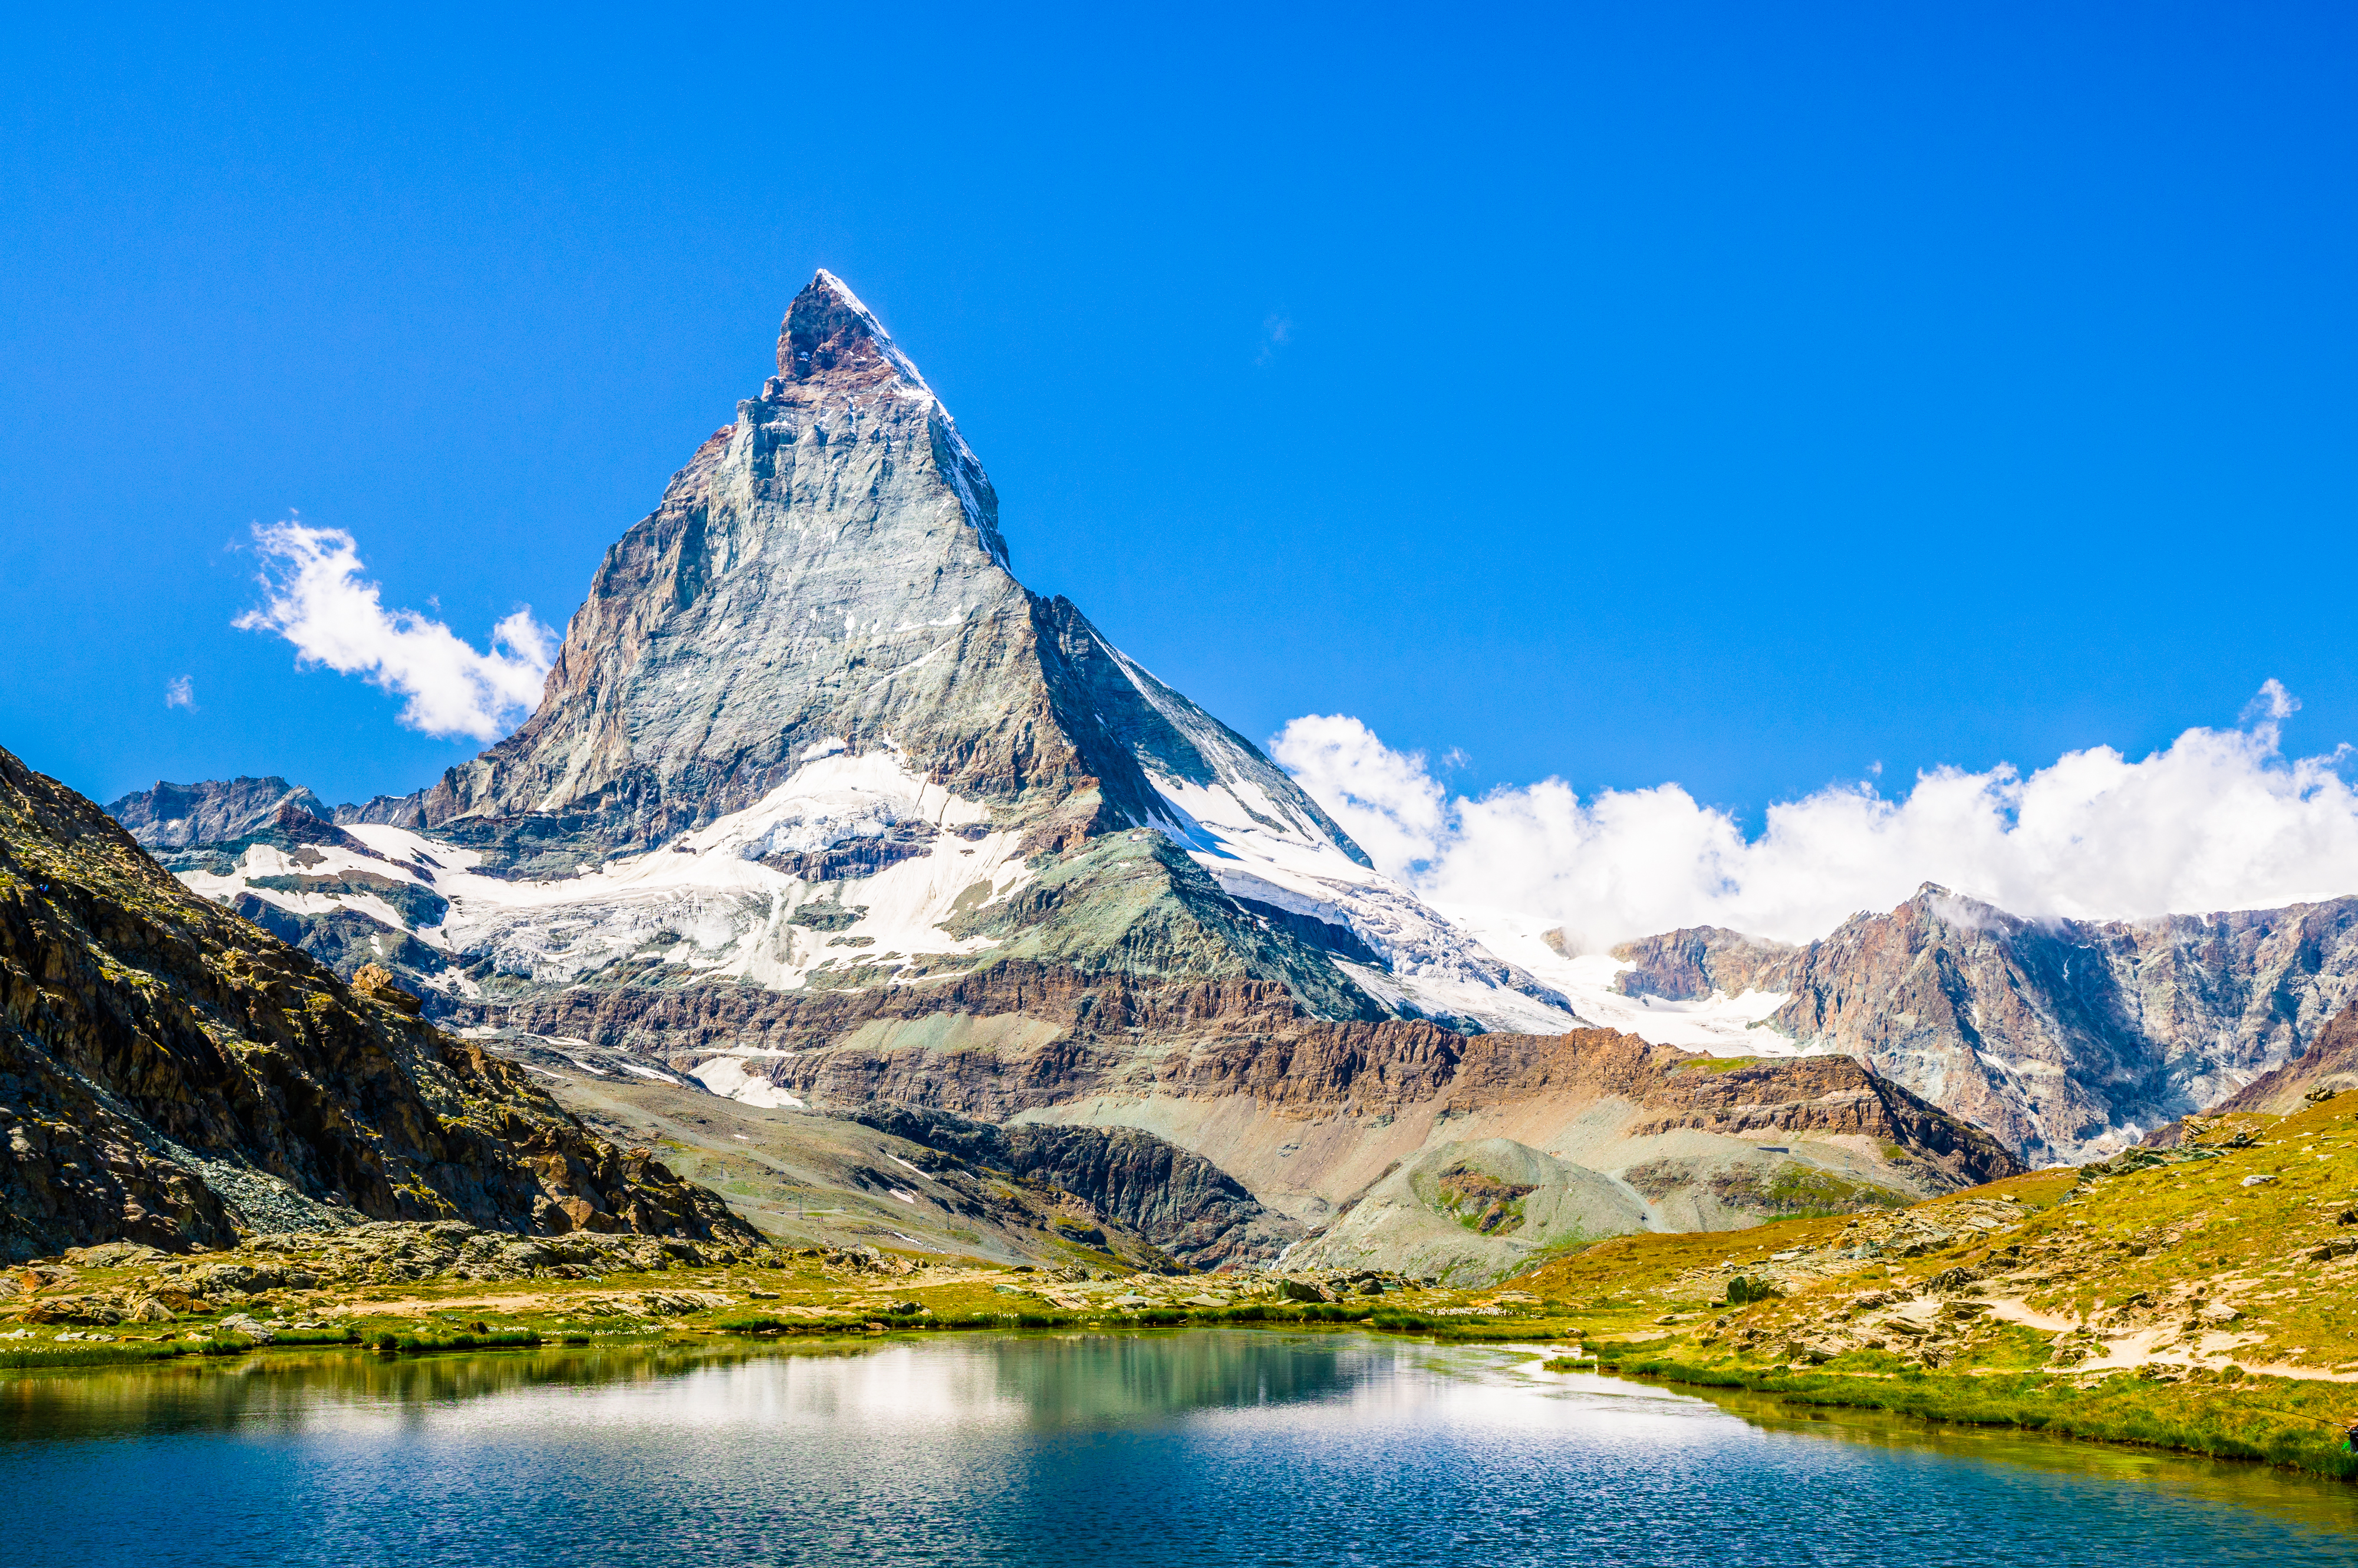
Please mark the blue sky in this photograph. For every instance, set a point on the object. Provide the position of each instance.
(1744, 396)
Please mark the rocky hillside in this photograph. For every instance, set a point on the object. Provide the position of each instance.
(2067, 1039)
(1182, 1203)
(168, 1072)
(1307, 1113)
(2198, 1296)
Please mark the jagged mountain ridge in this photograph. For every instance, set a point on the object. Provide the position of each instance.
(829, 571)
(173, 817)
(170, 816)
(812, 659)
(2068, 1039)
(168, 1071)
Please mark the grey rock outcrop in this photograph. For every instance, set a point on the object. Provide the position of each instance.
(172, 815)
(2067, 1039)
(392, 810)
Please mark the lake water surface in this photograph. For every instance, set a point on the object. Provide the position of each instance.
(1212, 1447)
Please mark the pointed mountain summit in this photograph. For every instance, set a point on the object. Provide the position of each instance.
(827, 575)
(808, 729)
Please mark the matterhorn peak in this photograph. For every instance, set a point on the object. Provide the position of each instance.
(831, 343)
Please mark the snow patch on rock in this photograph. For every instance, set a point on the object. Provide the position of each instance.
(729, 1078)
(1719, 1024)
(1258, 848)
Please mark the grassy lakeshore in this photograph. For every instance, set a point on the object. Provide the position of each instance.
(2203, 1299)
(420, 1290)
(2275, 1421)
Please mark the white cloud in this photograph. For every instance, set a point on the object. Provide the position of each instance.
(318, 602)
(180, 692)
(2219, 819)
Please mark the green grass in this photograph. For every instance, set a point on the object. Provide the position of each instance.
(2276, 1420)
(115, 1354)
(297, 1337)
(434, 1344)
(767, 1327)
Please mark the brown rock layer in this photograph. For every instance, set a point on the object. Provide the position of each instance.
(1019, 1037)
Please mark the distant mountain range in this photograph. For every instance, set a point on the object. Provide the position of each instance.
(2067, 1039)
(821, 802)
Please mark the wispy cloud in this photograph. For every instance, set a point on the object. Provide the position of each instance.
(318, 603)
(2218, 819)
(180, 692)
(1276, 331)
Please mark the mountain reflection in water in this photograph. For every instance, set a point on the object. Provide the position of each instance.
(1094, 1379)
(1216, 1447)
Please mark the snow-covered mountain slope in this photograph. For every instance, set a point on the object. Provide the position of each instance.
(1414, 959)
(855, 870)
(719, 903)
(808, 731)
(1713, 1022)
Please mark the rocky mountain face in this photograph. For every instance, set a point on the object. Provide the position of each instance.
(2327, 1069)
(168, 1072)
(172, 817)
(815, 773)
(808, 731)
(827, 575)
(2067, 1039)
(225, 811)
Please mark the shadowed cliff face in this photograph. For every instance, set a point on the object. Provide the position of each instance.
(1181, 1202)
(2067, 1039)
(167, 1071)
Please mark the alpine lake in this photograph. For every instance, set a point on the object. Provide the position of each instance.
(1167, 1447)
